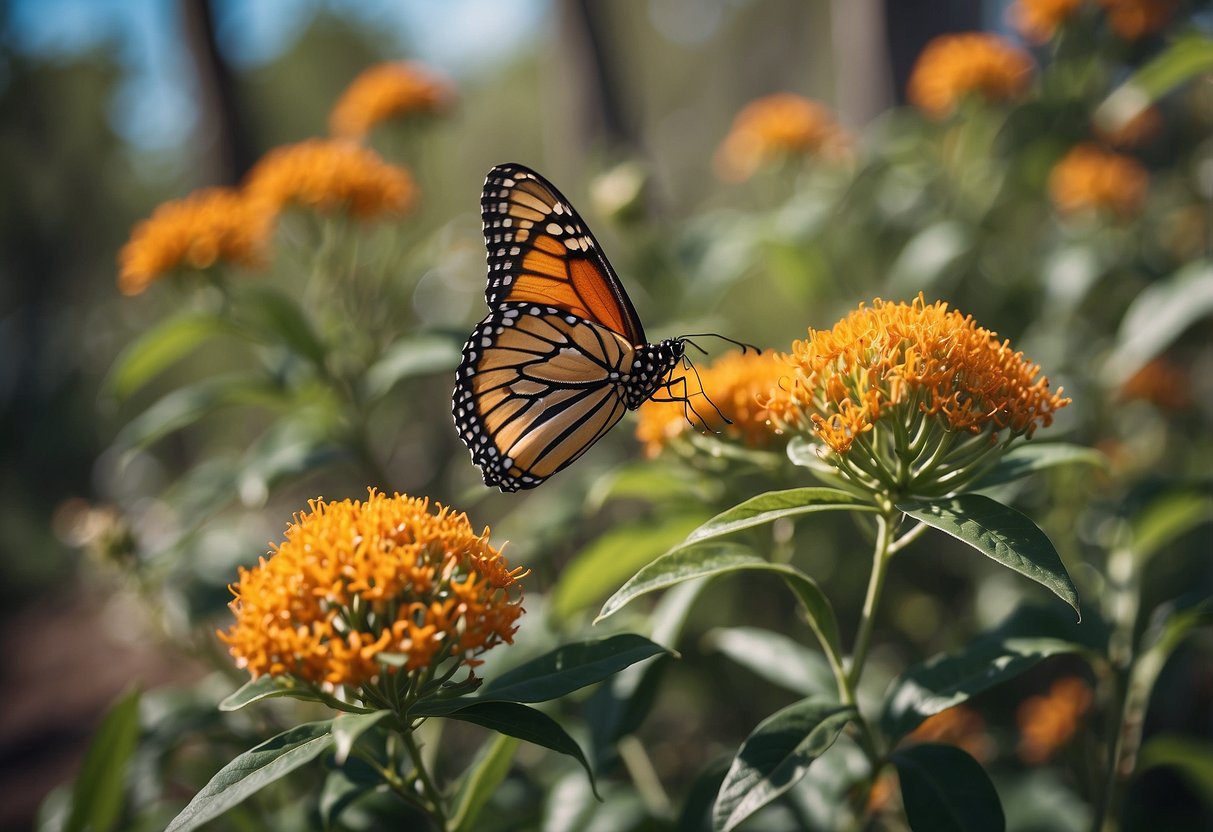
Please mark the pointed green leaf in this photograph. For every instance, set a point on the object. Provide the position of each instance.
(1188, 56)
(266, 687)
(1169, 515)
(159, 347)
(776, 756)
(944, 681)
(411, 356)
(187, 405)
(98, 793)
(254, 770)
(270, 312)
(710, 559)
(943, 789)
(1191, 757)
(553, 674)
(774, 657)
(347, 728)
(769, 507)
(525, 723)
(1000, 533)
(480, 781)
(1031, 457)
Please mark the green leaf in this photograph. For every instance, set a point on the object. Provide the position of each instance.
(609, 560)
(162, 345)
(928, 256)
(1189, 56)
(943, 789)
(774, 657)
(650, 483)
(266, 687)
(347, 728)
(525, 723)
(711, 559)
(187, 405)
(769, 507)
(1168, 516)
(254, 770)
(552, 675)
(270, 312)
(411, 356)
(480, 781)
(943, 681)
(1031, 457)
(776, 756)
(1157, 316)
(1191, 757)
(98, 793)
(1000, 533)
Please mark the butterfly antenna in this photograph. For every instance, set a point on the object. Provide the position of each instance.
(744, 346)
(695, 370)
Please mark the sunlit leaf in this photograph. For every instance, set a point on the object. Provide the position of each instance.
(610, 559)
(411, 356)
(776, 755)
(553, 674)
(525, 723)
(266, 687)
(928, 256)
(943, 789)
(186, 405)
(162, 345)
(347, 728)
(1189, 56)
(1002, 534)
(254, 770)
(1191, 757)
(1032, 457)
(650, 483)
(774, 657)
(1169, 516)
(480, 781)
(99, 791)
(774, 505)
(712, 559)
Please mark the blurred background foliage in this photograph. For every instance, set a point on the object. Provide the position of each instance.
(125, 518)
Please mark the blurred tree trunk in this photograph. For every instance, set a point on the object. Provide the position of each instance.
(222, 132)
(909, 24)
(601, 118)
(862, 85)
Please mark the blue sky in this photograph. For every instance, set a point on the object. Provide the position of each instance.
(152, 108)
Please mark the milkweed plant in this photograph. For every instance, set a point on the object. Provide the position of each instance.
(894, 576)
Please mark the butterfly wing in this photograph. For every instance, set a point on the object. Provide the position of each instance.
(537, 387)
(541, 251)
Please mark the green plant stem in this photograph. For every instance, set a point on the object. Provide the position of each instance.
(880, 562)
(432, 794)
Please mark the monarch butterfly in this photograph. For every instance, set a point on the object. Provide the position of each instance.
(561, 354)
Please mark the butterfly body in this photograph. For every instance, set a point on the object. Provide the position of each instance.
(562, 354)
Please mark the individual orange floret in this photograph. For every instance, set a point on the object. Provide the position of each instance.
(899, 361)
(356, 579)
(1092, 178)
(197, 232)
(1049, 722)
(738, 383)
(1039, 20)
(978, 64)
(774, 127)
(1134, 19)
(385, 91)
(330, 175)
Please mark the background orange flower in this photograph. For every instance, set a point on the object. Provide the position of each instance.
(972, 63)
(1090, 177)
(388, 90)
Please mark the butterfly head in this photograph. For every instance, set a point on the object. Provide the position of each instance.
(651, 367)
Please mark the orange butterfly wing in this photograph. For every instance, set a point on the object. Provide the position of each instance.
(540, 251)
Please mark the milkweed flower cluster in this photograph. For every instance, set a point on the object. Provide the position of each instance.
(953, 67)
(911, 398)
(388, 90)
(1048, 722)
(358, 582)
(778, 126)
(737, 383)
(1092, 178)
(1134, 19)
(327, 176)
(1039, 20)
(207, 227)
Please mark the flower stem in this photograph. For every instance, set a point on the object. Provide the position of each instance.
(880, 562)
(433, 796)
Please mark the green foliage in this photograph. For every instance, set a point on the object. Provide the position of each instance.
(946, 789)
(98, 795)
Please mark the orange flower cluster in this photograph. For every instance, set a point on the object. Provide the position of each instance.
(738, 383)
(1090, 177)
(384, 91)
(1134, 19)
(196, 232)
(960, 726)
(896, 361)
(778, 126)
(952, 67)
(1160, 382)
(1039, 20)
(330, 175)
(355, 579)
(1048, 722)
